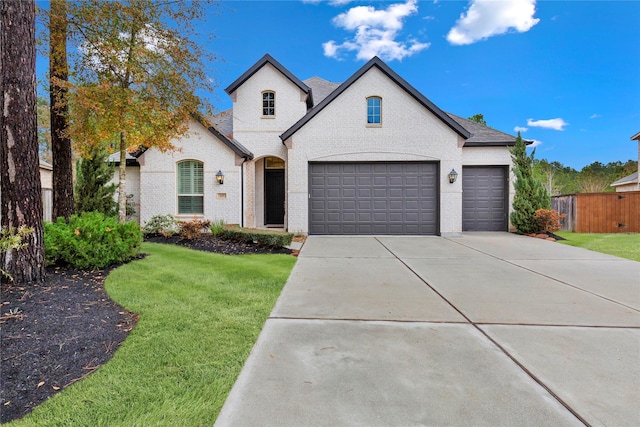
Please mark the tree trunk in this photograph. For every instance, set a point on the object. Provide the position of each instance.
(122, 180)
(63, 204)
(21, 202)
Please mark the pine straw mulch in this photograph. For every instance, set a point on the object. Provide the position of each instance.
(58, 332)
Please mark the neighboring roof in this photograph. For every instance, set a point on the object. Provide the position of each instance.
(321, 88)
(45, 165)
(631, 179)
(377, 62)
(483, 136)
(268, 59)
(636, 136)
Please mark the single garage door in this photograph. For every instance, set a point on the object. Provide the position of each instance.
(373, 198)
(484, 198)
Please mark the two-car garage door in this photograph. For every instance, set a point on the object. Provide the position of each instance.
(373, 198)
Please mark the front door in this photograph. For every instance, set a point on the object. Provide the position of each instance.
(274, 196)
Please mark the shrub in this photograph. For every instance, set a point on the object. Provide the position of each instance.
(217, 227)
(193, 229)
(549, 219)
(91, 240)
(264, 238)
(164, 225)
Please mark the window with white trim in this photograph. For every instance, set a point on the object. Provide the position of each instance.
(268, 103)
(190, 187)
(374, 110)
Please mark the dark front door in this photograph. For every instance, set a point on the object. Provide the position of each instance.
(274, 196)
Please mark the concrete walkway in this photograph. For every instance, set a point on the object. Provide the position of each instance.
(487, 329)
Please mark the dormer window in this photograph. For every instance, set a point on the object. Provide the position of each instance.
(268, 104)
(374, 110)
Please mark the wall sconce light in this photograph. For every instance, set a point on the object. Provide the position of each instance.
(220, 177)
(453, 175)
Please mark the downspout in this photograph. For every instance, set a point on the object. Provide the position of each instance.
(242, 192)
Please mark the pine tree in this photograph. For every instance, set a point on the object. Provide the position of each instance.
(530, 193)
(21, 202)
(93, 191)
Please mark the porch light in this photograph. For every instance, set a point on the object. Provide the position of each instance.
(220, 177)
(453, 175)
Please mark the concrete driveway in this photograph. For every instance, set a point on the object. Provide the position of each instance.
(487, 329)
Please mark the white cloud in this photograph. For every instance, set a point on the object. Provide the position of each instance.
(595, 116)
(555, 124)
(534, 143)
(520, 129)
(486, 18)
(376, 32)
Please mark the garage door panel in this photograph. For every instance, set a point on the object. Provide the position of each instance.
(374, 198)
(484, 198)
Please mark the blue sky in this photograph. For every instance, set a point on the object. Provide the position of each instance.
(564, 73)
(567, 73)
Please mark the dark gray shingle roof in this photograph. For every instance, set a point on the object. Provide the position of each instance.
(320, 88)
(483, 136)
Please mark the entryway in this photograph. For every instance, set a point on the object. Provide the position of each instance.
(274, 192)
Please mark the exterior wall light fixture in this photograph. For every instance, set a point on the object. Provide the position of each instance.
(220, 177)
(453, 175)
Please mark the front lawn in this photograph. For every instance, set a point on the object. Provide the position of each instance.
(621, 245)
(200, 314)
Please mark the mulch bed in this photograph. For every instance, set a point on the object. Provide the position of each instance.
(58, 332)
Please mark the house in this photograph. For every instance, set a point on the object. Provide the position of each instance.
(371, 155)
(631, 182)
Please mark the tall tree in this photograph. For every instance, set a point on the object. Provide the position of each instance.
(530, 194)
(21, 203)
(59, 111)
(478, 118)
(138, 72)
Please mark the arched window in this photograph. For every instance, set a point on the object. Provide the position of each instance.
(268, 103)
(190, 187)
(374, 110)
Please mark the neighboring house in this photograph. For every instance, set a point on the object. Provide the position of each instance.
(46, 183)
(369, 156)
(631, 182)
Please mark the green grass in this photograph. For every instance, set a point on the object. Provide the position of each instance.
(200, 314)
(621, 245)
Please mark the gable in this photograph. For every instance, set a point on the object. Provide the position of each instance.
(269, 60)
(397, 80)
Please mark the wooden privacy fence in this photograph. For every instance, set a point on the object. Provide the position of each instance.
(600, 212)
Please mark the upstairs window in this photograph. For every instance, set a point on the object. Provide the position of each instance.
(374, 110)
(268, 103)
(190, 187)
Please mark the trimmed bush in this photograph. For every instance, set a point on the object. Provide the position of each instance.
(164, 225)
(549, 219)
(91, 240)
(193, 229)
(261, 237)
